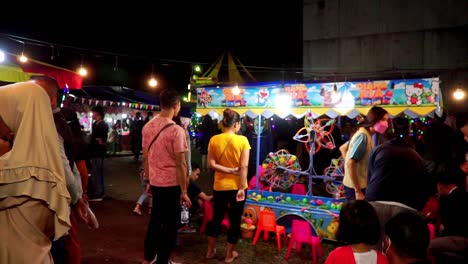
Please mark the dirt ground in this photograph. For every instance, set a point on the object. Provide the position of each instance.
(120, 236)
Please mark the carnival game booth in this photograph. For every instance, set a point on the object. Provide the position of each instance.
(319, 104)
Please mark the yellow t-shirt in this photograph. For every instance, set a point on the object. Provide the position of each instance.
(230, 158)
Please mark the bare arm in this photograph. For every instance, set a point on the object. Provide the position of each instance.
(218, 167)
(244, 163)
(205, 197)
(352, 166)
(344, 149)
(181, 170)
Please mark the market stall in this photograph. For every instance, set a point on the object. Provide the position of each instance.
(11, 71)
(319, 104)
(120, 107)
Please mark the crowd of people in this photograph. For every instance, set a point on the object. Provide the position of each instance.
(394, 193)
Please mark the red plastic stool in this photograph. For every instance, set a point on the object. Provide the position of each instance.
(267, 223)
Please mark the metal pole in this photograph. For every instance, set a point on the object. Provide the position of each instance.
(257, 163)
(311, 160)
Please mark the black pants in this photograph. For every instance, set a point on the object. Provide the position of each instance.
(221, 200)
(162, 228)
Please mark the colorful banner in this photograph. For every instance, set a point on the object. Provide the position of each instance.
(341, 97)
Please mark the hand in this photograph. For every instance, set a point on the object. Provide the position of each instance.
(359, 195)
(240, 195)
(148, 189)
(184, 198)
(81, 210)
(235, 171)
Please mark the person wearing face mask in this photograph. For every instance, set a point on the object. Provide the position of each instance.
(357, 153)
(396, 170)
(397, 178)
(406, 239)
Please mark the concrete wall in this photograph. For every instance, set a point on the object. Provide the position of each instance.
(370, 35)
(376, 38)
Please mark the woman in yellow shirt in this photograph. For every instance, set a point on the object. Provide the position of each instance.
(228, 155)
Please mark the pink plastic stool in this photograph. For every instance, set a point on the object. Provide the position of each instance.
(301, 233)
(208, 215)
(299, 189)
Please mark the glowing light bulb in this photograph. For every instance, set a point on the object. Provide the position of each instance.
(459, 94)
(82, 71)
(23, 58)
(236, 90)
(152, 82)
(2, 56)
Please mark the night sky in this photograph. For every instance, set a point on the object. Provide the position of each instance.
(259, 33)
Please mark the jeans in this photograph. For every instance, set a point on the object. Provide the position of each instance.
(97, 173)
(162, 228)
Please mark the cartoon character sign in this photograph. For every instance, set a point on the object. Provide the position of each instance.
(203, 98)
(413, 93)
(263, 95)
(331, 97)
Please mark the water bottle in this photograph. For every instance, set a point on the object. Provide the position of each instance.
(184, 215)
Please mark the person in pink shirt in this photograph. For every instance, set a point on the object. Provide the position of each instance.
(164, 147)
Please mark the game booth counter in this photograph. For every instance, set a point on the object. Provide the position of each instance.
(319, 104)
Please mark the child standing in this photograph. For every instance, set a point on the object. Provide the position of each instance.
(144, 195)
(359, 230)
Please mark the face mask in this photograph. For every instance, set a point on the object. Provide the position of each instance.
(381, 126)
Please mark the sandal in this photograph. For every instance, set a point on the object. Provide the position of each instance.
(210, 256)
(234, 256)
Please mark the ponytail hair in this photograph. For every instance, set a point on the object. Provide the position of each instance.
(230, 117)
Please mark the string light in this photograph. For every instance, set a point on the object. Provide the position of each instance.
(152, 82)
(22, 58)
(82, 70)
(459, 94)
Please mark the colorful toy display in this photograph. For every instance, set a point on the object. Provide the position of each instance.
(318, 131)
(321, 212)
(277, 170)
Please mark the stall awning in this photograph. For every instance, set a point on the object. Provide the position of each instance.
(13, 71)
(415, 97)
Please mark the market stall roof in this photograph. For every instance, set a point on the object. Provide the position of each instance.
(413, 97)
(12, 71)
(116, 94)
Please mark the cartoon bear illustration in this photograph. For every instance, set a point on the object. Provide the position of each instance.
(413, 93)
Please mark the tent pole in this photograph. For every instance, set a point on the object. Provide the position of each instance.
(257, 163)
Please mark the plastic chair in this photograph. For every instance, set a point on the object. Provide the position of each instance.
(301, 233)
(299, 189)
(431, 231)
(267, 224)
(208, 215)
